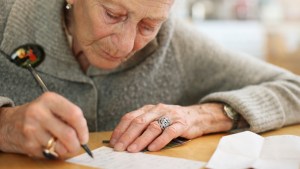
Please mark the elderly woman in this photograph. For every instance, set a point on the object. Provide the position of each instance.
(126, 66)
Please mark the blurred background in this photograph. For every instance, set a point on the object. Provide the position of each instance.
(266, 29)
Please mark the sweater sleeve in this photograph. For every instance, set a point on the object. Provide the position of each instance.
(267, 96)
(6, 102)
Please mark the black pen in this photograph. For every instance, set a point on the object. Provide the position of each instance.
(87, 150)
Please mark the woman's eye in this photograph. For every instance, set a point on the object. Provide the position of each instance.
(111, 15)
(147, 30)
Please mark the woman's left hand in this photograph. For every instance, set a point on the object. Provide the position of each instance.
(140, 129)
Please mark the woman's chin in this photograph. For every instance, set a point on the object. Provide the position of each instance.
(107, 65)
(105, 62)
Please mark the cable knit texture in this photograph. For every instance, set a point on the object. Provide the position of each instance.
(181, 66)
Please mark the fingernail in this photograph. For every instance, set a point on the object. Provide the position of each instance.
(119, 147)
(113, 142)
(132, 148)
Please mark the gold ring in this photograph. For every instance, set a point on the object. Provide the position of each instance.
(49, 151)
(50, 143)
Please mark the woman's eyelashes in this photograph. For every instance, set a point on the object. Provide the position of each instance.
(113, 17)
(146, 29)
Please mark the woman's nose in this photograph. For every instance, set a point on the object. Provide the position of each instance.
(126, 38)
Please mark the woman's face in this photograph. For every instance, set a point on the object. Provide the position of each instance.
(105, 32)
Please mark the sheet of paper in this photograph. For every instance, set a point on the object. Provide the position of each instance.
(249, 150)
(107, 158)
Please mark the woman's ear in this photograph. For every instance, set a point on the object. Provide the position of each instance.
(71, 2)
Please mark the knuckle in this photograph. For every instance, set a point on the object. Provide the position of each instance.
(139, 121)
(48, 96)
(126, 138)
(77, 111)
(175, 112)
(69, 135)
(32, 108)
(83, 124)
(128, 117)
(147, 107)
(154, 127)
(29, 130)
(161, 106)
(171, 131)
(117, 131)
(77, 114)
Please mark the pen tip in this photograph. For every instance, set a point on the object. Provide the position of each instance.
(87, 149)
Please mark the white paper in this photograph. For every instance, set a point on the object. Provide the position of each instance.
(107, 158)
(249, 150)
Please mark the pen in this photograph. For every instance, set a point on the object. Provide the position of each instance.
(87, 150)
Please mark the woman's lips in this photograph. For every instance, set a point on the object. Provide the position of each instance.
(110, 57)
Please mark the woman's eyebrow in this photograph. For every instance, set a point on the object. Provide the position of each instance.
(114, 5)
(157, 19)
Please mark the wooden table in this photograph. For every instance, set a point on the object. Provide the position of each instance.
(200, 149)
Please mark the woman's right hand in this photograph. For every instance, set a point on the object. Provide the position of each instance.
(27, 128)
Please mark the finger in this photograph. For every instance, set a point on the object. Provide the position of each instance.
(69, 113)
(118, 133)
(43, 137)
(171, 132)
(65, 134)
(135, 129)
(61, 150)
(124, 124)
(152, 131)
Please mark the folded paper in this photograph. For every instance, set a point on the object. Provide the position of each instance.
(249, 150)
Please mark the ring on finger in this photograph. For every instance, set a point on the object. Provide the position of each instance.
(49, 150)
(164, 122)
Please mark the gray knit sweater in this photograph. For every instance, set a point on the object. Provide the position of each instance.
(180, 66)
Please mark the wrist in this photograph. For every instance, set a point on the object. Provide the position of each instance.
(2, 120)
(232, 115)
(4, 129)
(215, 119)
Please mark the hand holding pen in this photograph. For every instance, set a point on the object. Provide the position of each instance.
(50, 125)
